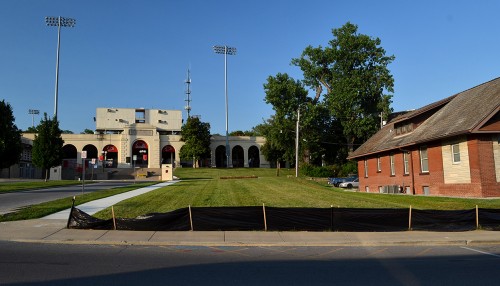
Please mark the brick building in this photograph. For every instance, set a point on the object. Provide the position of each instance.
(448, 148)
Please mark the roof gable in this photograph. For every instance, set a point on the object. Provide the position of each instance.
(462, 113)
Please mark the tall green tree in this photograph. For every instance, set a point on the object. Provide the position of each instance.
(286, 95)
(10, 137)
(354, 71)
(196, 134)
(47, 146)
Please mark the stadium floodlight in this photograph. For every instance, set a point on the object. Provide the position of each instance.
(225, 50)
(58, 22)
(33, 112)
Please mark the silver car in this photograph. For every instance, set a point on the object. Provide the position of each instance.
(350, 184)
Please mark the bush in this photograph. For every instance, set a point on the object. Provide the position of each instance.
(349, 168)
(317, 171)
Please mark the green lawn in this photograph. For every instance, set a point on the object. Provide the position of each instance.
(205, 187)
(32, 185)
(44, 209)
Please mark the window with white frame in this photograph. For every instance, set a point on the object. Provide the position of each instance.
(366, 168)
(393, 169)
(379, 166)
(455, 153)
(406, 163)
(424, 160)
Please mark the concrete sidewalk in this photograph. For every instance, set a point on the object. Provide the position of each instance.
(94, 206)
(54, 231)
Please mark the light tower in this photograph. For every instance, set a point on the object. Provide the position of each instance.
(59, 22)
(225, 50)
(33, 112)
(188, 95)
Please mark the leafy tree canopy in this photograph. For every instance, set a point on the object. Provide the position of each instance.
(87, 131)
(196, 134)
(10, 137)
(353, 70)
(48, 145)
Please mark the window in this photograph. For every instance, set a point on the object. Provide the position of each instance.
(366, 168)
(424, 164)
(426, 190)
(455, 150)
(140, 116)
(379, 166)
(393, 170)
(406, 164)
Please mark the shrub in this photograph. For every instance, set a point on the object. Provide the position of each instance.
(317, 171)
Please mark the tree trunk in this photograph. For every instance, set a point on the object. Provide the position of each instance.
(46, 174)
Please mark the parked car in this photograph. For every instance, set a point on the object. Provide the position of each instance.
(350, 184)
(337, 181)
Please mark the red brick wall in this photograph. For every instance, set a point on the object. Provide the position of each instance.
(483, 180)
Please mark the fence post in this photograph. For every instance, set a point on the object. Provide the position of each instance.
(114, 219)
(331, 217)
(71, 212)
(190, 218)
(477, 217)
(409, 219)
(265, 219)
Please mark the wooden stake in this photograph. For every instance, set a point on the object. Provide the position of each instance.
(265, 219)
(191, 218)
(331, 217)
(114, 219)
(477, 217)
(409, 220)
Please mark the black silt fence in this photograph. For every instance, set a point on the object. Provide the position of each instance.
(296, 219)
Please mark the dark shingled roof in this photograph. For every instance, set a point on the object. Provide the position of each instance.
(458, 114)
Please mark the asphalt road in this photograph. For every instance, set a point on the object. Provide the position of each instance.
(51, 264)
(12, 201)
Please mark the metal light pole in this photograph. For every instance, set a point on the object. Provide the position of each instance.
(59, 22)
(225, 50)
(33, 112)
(297, 144)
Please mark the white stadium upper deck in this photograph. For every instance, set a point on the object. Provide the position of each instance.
(117, 119)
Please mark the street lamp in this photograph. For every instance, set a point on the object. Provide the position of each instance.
(297, 144)
(59, 22)
(33, 112)
(225, 50)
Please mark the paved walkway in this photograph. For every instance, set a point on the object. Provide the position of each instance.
(98, 205)
(55, 231)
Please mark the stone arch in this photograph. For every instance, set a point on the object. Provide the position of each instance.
(69, 152)
(168, 154)
(253, 157)
(110, 156)
(70, 156)
(91, 151)
(220, 157)
(140, 149)
(238, 157)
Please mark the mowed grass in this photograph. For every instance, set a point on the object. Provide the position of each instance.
(8, 186)
(47, 208)
(206, 188)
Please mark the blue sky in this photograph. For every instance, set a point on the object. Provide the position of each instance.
(132, 54)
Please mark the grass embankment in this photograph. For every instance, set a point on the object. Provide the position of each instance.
(227, 187)
(44, 209)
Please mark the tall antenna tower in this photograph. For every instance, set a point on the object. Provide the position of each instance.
(188, 94)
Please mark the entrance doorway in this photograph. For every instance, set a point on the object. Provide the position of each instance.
(168, 154)
(140, 150)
